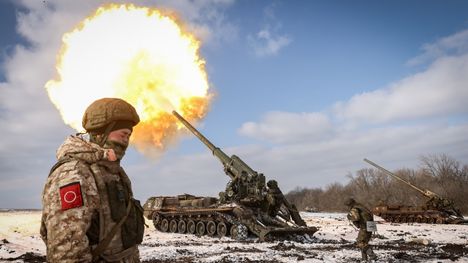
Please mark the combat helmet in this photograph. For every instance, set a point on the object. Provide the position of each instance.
(272, 184)
(108, 114)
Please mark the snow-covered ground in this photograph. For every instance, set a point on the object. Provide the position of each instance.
(20, 242)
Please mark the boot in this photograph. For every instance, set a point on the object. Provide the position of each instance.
(371, 254)
(363, 255)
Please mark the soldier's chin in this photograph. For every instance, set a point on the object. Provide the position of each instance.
(118, 147)
(119, 144)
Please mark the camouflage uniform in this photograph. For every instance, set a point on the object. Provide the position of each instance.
(87, 204)
(434, 202)
(443, 204)
(275, 199)
(359, 215)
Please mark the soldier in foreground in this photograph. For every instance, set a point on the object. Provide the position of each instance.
(360, 216)
(89, 213)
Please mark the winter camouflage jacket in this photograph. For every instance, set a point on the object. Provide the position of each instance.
(359, 215)
(83, 198)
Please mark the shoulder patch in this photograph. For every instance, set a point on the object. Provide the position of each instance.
(70, 196)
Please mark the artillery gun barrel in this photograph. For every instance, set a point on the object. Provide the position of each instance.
(226, 160)
(425, 193)
(194, 131)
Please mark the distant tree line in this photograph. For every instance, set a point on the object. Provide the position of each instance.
(440, 174)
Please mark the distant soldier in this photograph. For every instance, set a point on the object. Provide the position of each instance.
(270, 205)
(89, 213)
(360, 216)
(275, 200)
(443, 204)
(434, 202)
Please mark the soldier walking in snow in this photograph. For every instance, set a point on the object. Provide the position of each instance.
(363, 219)
(89, 213)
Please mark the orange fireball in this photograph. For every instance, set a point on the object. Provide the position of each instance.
(137, 54)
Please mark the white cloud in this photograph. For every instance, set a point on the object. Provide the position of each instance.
(318, 164)
(440, 90)
(454, 44)
(269, 41)
(265, 43)
(284, 127)
(205, 18)
(433, 95)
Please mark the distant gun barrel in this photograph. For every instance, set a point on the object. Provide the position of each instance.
(426, 193)
(233, 166)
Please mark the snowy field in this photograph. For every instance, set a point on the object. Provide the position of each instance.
(20, 242)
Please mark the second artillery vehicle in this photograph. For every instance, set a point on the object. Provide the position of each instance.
(247, 206)
(437, 210)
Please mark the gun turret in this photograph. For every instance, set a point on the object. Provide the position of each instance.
(233, 166)
(426, 192)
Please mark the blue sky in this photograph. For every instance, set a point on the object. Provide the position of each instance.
(304, 91)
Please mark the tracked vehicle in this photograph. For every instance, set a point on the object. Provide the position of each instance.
(437, 210)
(410, 214)
(248, 206)
(188, 214)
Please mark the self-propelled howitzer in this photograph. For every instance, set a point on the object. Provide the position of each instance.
(247, 206)
(437, 209)
(246, 186)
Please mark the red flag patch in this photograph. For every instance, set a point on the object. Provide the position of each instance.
(70, 195)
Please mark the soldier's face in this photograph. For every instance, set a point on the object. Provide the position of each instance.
(121, 136)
